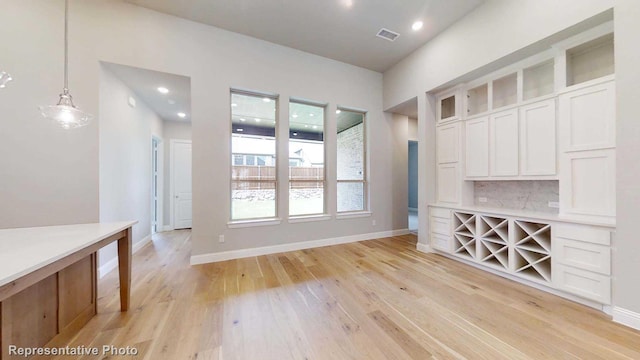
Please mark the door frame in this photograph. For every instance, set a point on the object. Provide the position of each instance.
(172, 144)
(160, 184)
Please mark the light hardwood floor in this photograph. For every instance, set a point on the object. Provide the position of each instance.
(378, 299)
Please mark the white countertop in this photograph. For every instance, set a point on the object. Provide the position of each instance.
(585, 220)
(25, 250)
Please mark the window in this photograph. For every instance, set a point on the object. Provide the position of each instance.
(306, 159)
(253, 142)
(351, 161)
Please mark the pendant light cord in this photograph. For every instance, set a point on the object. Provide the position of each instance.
(66, 45)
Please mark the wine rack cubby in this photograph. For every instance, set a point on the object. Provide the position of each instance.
(516, 246)
(464, 232)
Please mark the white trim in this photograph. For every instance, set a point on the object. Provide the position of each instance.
(423, 248)
(626, 317)
(308, 218)
(172, 142)
(160, 185)
(113, 263)
(353, 215)
(266, 250)
(252, 223)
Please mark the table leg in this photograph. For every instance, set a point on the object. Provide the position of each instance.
(124, 268)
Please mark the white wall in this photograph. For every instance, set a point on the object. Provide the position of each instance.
(215, 60)
(626, 259)
(413, 129)
(125, 158)
(48, 176)
(490, 32)
(171, 130)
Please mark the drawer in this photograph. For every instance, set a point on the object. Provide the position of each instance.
(583, 283)
(440, 212)
(440, 226)
(583, 233)
(582, 255)
(441, 242)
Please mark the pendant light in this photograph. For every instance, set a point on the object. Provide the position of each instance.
(65, 113)
(4, 79)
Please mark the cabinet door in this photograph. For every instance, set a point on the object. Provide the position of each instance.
(587, 183)
(477, 147)
(503, 149)
(448, 143)
(448, 183)
(587, 118)
(448, 106)
(538, 138)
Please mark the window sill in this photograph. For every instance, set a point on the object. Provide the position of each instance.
(252, 223)
(353, 215)
(309, 218)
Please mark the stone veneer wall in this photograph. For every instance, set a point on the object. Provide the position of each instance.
(530, 195)
(350, 167)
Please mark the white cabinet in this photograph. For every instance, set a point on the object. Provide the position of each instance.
(503, 143)
(587, 183)
(477, 147)
(582, 261)
(440, 229)
(448, 183)
(448, 106)
(587, 118)
(538, 138)
(448, 143)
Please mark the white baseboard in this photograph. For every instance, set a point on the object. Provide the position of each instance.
(167, 228)
(113, 263)
(266, 250)
(626, 317)
(423, 248)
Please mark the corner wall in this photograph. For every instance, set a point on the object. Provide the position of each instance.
(125, 159)
(626, 258)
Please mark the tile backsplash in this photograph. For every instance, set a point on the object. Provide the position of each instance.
(530, 195)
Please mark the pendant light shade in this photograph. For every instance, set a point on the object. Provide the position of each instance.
(4, 79)
(65, 113)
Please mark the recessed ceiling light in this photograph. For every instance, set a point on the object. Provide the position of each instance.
(311, 115)
(338, 111)
(234, 104)
(295, 134)
(417, 25)
(306, 126)
(266, 99)
(243, 119)
(315, 126)
(274, 122)
(257, 120)
(239, 130)
(163, 90)
(182, 115)
(294, 115)
(171, 102)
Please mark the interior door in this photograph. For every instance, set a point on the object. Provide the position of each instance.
(181, 183)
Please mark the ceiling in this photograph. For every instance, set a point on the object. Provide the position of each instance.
(342, 30)
(145, 84)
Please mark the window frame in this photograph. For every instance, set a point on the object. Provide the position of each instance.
(325, 206)
(365, 165)
(275, 182)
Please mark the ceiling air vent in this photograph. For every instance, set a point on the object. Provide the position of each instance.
(387, 34)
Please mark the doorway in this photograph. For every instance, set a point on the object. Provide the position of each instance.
(413, 186)
(181, 193)
(156, 191)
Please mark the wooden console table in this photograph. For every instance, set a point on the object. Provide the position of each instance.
(48, 279)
